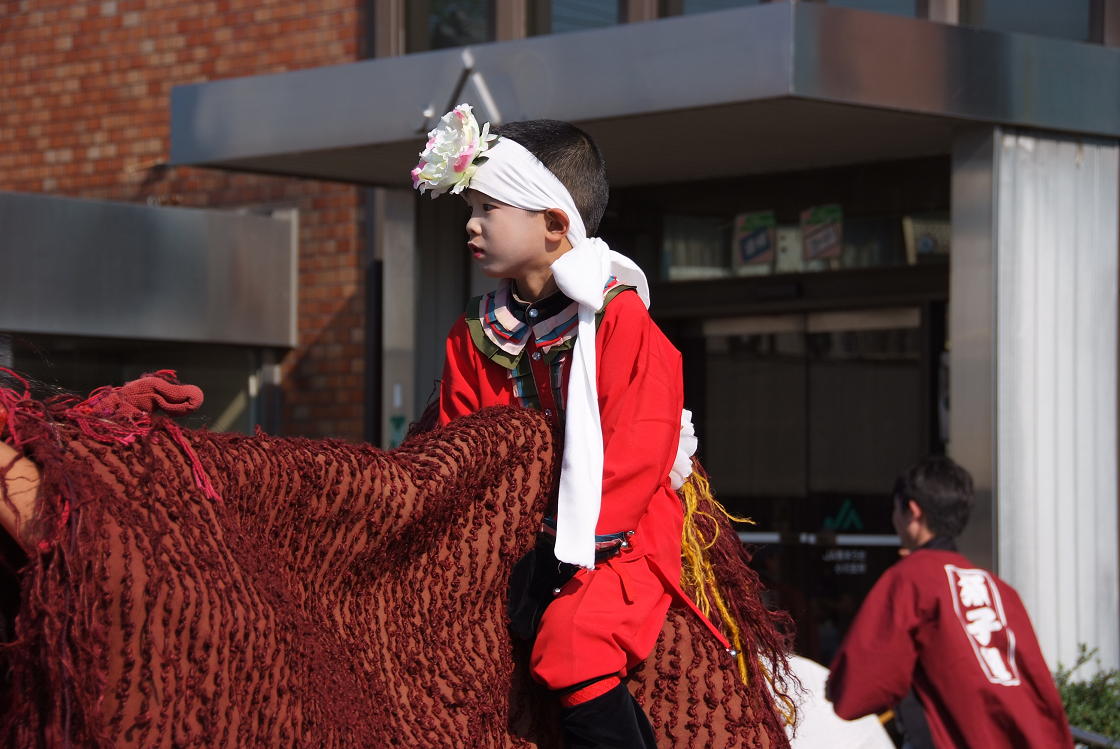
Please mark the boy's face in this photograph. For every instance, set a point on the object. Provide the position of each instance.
(505, 241)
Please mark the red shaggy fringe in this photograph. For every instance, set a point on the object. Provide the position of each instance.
(338, 596)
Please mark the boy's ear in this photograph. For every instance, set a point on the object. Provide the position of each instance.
(915, 510)
(556, 222)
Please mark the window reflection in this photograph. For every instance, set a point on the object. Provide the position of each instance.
(896, 7)
(438, 24)
(688, 7)
(1068, 19)
(756, 242)
(559, 16)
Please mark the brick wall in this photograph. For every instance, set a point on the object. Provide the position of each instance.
(86, 90)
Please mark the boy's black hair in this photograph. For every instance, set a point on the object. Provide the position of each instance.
(942, 489)
(572, 156)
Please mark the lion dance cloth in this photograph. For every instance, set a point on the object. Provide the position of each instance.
(194, 589)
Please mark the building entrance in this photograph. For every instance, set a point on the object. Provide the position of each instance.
(805, 419)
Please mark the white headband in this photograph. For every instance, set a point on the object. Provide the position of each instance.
(457, 156)
(513, 175)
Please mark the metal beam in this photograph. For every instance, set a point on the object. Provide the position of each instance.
(510, 19)
(633, 11)
(940, 11)
(388, 28)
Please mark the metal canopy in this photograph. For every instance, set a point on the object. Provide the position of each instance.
(122, 270)
(771, 87)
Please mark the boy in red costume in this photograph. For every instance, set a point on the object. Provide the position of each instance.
(957, 634)
(567, 331)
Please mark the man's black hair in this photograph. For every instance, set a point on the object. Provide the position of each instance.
(572, 156)
(942, 489)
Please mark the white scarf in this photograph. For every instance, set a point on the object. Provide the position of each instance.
(515, 176)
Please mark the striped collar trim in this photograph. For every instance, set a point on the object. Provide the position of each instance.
(499, 327)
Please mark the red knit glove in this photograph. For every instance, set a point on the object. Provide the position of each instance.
(161, 390)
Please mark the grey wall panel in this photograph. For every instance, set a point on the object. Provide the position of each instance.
(98, 268)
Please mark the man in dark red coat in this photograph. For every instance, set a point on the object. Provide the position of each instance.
(958, 635)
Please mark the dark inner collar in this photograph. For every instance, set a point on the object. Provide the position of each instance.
(551, 305)
(940, 543)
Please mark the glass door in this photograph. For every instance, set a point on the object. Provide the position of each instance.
(806, 420)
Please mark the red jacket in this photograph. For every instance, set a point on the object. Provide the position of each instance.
(962, 638)
(495, 360)
(640, 397)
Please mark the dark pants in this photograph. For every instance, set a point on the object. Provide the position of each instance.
(613, 720)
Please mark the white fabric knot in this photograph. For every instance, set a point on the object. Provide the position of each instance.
(582, 272)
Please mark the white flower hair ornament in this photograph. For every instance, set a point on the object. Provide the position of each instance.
(453, 153)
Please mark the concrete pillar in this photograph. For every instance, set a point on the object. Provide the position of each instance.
(394, 222)
(1033, 329)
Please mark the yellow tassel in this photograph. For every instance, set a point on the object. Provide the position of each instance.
(787, 708)
(698, 576)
